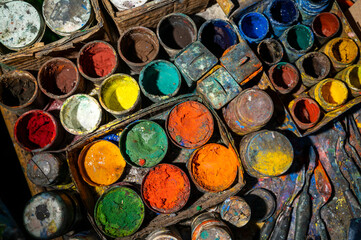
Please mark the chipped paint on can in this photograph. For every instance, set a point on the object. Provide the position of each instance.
(305, 112)
(194, 61)
(218, 87)
(352, 76)
(236, 211)
(21, 25)
(241, 62)
(249, 111)
(207, 226)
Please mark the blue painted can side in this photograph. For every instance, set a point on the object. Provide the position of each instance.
(253, 27)
(309, 9)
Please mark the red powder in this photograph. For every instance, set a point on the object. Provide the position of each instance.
(166, 188)
(190, 124)
(307, 111)
(97, 60)
(284, 76)
(65, 78)
(41, 130)
(326, 24)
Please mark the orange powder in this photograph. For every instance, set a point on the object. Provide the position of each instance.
(190, 124)
(214, 167)
(103, 163)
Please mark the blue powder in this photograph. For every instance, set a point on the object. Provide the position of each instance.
(254, 25)
(283, 11)
(204, 234)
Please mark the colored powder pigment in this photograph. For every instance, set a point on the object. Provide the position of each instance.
(41, 130)
(276, 161)
(103, 162)
(334, 92)
(190, 124)
(326, 24)
(160, 78)
(316, 65)
(345, 50)
(307, 111)
(254, 25)
(283, 11)
(16, 90)
(97, 60)
(214, 167)
(166, 188)
(120, 92)
(355, 77)
(119, 212)
(146, 143)
(284, 76)
(270, 51)
(300, 38)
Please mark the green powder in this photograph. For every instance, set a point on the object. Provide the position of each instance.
(146, 144)
(119, 212)
(300, 38)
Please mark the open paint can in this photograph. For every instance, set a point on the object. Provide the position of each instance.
(262, 203)
(284, 77)
(305, 112)
(169, 233)
(325, 26)
(352, 76)
(207, 226)
(236, 211)
(253, 27)
(270, 51)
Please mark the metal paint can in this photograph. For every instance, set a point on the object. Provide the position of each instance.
(21, 25)
(122, 5)
(48, 169)
(194, 61)
(59, 78)
(169, 233)
(85, 235)
(19, 92)
(217, 35)
(325, 26)
(236, 211)
(262, 203)
(342, 52)
(305, 112)
(137, 47)
(175, 31)
(80, 114)
(313, 67)
(249, 111)
(218, 87)
(329, 93)
(284, 77)
(297, 40)
(309, 9)
(52, 214)
(352, 76)
(160, 80)
(207, 226)
(67, 17)
(266, 153)
(282, 14)
(253, 27)
(270, 51)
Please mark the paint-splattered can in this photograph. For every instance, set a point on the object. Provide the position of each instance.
(284, 77)
(190, 124)
(270, 51)
(119, 95)
(218, 87)
(97, 60)
(309, 9)
(175, 31)
(207, 226)
(19, 92)
(21, 25)
(329, 93)
(297, 40)
(194, 61)
(165, 188)
(342, 52)
(217, 35)
(253, 27)
(249, 111)
(160, 80)
(122, 5)
(80, 114)
(236, 211)
(119, 212)
(137, 47)
(266, 153)
(143, 143)
(352, 76)
(305, 112)
(48, 169)
(52, 214)
(170, 233)
(325, 26)
(59, 78)
(313, 67)
(38, 130)
(262, 203)
(67, 17)
(282, 14)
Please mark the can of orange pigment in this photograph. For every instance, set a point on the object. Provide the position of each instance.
(169, 233)
(190, 124)
(207, 226)
(266, 153)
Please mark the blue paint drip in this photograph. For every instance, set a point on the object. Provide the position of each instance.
(253, 26)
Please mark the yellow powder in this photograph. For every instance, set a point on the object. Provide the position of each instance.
(120, 93)
(272, 163)
(334, 92)
(345, 50)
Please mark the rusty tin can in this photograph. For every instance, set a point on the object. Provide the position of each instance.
(218, 87)
(241, 62)
(305, 112)
(352, 76)
(270, 51)
(236, 211)
(207, 226)
(169, 233)
(249, 111)
(194, 61)
(284, 77)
